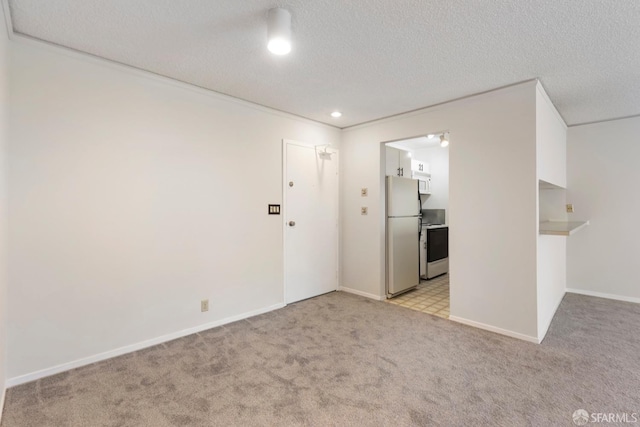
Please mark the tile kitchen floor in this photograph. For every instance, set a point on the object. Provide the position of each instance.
(429, 297)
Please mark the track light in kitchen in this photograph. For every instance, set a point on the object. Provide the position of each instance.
(444, 141)
(336, 114)
(279, 31)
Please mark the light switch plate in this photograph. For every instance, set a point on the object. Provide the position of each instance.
(569, 207)
(364, 210)
(364, 192)
(274, 209)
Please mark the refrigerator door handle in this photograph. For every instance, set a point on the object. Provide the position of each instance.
(419, 213)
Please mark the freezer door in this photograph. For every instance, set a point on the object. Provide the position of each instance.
(403, 254)
(402, 197)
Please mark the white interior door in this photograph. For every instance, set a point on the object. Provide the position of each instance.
(311, 221)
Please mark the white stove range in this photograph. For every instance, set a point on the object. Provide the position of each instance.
(434, 250)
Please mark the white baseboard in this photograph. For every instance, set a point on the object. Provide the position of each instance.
(362, 294)
(603, 295)
(494, 329)
(546, 329)
(133, 347)
(3, 396)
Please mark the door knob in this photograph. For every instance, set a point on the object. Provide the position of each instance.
(292, 223)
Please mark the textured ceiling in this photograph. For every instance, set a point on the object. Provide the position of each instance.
(369, 59)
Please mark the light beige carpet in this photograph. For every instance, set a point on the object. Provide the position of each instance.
(340, 359)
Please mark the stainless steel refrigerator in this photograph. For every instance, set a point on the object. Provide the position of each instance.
(403, 235)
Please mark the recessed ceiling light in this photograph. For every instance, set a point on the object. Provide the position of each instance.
(336, 114)
(279, 31)
(430, 136)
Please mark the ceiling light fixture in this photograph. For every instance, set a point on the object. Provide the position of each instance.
(279, 31)
(324, 155)
(336, 114)
(430, 136)
(444, 141)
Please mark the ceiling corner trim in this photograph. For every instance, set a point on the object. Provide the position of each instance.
(613, 119)
(399, 116)
(7, 18)
(139, 72)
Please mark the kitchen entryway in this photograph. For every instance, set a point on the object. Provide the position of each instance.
(430, 296)
(417, 257)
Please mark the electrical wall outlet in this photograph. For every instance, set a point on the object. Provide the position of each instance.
(364, 210)
(364, 192)
(204, 305)
(569, 207)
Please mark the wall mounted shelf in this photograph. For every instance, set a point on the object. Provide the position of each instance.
(561, 228)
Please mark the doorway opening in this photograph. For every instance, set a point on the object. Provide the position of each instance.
(416, 175)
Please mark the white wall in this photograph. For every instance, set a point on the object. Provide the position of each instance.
(551, 166)
(552, 279)
(4, 103)
(492, 205)
(438, 159)
(132, 198)
(551, 141)
(603, 177)
(553, 204)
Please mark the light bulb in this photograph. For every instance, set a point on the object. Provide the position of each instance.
(279, 31)
(279, 46)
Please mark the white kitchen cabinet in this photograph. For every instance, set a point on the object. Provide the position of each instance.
(398, 162)
(405, 163)
(391, 156)
(419, 167)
